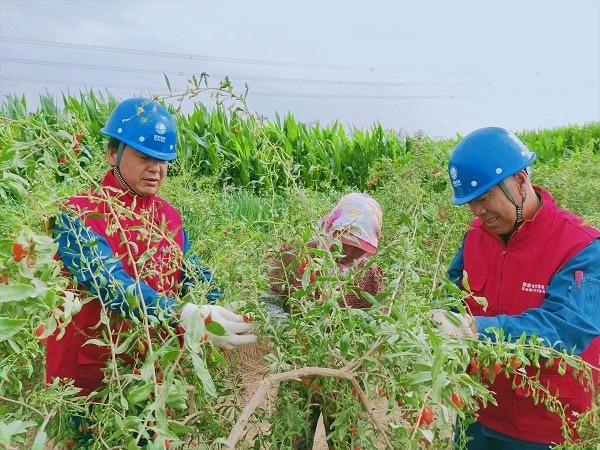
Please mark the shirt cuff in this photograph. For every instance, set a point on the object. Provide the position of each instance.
(483, 323)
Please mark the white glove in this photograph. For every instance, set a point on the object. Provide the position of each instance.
(449, 328)
(231, 322)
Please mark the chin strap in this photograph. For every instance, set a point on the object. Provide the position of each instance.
(512, 200)
(117, 170)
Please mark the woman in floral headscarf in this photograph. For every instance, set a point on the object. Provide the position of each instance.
(354, 224)
(355, 221)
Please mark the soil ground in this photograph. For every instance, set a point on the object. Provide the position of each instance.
(254, 368)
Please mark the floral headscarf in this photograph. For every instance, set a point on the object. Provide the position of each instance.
(357, 215)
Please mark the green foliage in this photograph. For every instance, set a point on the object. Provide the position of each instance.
(552, 145)
(244, 186)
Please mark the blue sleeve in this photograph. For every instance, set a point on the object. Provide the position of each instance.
(570, 313)
(90, 259)
(193, 272)
(455, 271)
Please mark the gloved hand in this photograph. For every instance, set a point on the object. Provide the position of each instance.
(232, 323)
(447, 327)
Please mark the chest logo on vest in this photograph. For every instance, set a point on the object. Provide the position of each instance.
(533, 287)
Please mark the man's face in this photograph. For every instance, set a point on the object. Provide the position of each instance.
(141, 172)
(496, 210)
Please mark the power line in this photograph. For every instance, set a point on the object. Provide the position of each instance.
(130, 51)
(360, 96)
(250, 93)
(39, 62)
(81, 83)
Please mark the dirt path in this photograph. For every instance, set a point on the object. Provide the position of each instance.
(254, 368)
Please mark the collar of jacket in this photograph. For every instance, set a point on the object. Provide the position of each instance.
(528, 227)
(111, 184)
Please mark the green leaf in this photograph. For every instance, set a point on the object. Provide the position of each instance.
(440, 382)
(97, 342)
(125, 344)
(427, 434)
(427, 215)
(9, 327)
(168, 82)
(482, 301)
(418, 378)
(465, 281)
(8, 430)
(218, 357)
(16, 292)
(215, 328)
(306, 279)
(139, 393)
(204, 375)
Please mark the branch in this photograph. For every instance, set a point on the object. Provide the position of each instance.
(37, 411)
(345, 373)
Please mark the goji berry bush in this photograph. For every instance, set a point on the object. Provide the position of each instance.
(387, 375)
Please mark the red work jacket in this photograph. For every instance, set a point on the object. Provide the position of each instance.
(69, 357)
(513, 278)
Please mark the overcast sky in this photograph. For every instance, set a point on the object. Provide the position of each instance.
(443, 67)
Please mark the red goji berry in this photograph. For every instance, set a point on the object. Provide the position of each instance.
(18, 252)
(302, 267)
(456, 400)
(39, 331)
(497, 368)
(514, 363)
(473, 366)
(426, 416)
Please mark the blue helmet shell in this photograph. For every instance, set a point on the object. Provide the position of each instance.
(144, 125)
(483, 159)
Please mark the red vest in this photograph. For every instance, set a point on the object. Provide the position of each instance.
(68, 357)
(513, 278)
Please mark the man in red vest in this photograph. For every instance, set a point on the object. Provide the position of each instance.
(538, 266)
(128, 248)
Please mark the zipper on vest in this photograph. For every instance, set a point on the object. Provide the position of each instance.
(502, 260)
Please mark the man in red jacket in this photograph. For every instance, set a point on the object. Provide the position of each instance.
(538, 266)
(128, 248)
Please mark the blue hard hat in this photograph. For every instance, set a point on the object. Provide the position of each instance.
(483, 159)
(145, 125)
